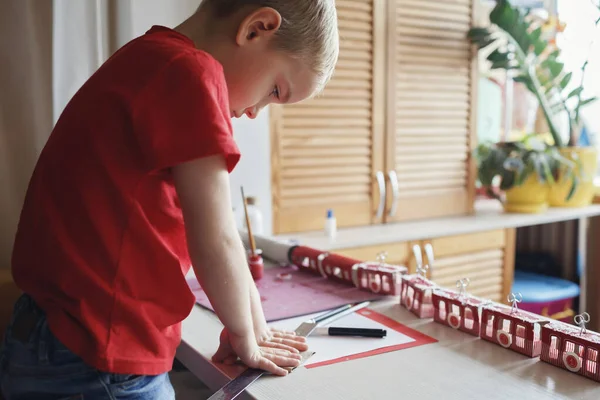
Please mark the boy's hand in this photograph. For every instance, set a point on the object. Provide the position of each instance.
(271, 337)
(271, 354)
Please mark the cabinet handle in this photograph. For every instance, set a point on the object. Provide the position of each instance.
(381, 182)
(418, 257)
(429, 254)
(395, 192)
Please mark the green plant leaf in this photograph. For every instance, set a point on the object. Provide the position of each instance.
(539, 46)
(478, 33)
(508, 180)
(587, 101)
(565, 80)
(497, 55)
(575, 92)
(574, 184)
(506, 64)
(548, 176)
(501, 14)
(556, 68)
(536, 34)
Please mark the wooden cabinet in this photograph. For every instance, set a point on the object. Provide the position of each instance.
(486, 258)
(391, 136)
(325, 151)
(431, 110)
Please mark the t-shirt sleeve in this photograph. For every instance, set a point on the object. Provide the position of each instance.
(183, 114)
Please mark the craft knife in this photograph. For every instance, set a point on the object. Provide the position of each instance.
(238, 385)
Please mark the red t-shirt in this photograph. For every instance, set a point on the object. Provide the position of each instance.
(101, 243)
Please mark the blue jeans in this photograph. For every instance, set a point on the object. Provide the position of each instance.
(34, 365)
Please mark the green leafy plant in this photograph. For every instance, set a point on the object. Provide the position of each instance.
(514, 162)
(518, 45)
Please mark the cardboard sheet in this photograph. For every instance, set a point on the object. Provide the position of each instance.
(334, 349)
(303, 293)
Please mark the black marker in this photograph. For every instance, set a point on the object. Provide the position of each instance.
(363, 332)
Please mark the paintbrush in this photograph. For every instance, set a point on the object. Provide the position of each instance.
(250, 236)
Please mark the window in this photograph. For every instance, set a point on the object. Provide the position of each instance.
(576, 44)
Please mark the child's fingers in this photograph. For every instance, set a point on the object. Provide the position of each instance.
(301, 346)
(285, 353)
(281, 332)
(281, 346)
(281, 360)
(222, 353)
(266, 364)
(287, 335)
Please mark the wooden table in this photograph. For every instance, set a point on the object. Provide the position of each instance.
(458, 367)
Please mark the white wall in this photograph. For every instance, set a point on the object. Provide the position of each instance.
(77, 58)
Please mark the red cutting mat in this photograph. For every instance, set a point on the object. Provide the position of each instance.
(305, 293)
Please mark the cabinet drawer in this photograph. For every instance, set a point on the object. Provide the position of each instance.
(473, 242)
(485, 270)
(397, 253)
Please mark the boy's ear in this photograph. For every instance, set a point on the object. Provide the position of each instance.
(261, 24)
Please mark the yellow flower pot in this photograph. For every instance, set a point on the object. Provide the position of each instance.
(584, 194)
(531, 197)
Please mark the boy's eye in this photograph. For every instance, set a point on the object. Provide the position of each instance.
(275, 92)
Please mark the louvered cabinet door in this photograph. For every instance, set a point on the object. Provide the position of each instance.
(432, 74)
(327, 151)
(485, 258)
(396, 253)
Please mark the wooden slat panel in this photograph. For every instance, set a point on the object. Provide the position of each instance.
(328, 131)
(458, 7)
(295, 152)
(397, 253)
(356, 5)
(329, 180)
(350, 141)
(323, 150)
(328, 171)
(434, 80)
(320, 121)
(485, 269)
(321, 102)
(473, 242)
(313, 162)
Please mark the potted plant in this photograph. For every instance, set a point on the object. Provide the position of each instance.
(526, 170)
(519, 46)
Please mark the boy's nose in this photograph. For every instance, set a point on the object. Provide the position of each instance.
(252, 112)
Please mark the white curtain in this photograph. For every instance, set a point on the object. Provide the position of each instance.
(47, 51)
(80, 45)
(25, 104)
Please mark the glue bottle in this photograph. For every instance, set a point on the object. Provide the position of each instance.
(330, 225)
(255, 216)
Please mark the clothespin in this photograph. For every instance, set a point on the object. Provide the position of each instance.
(581, 320)
(381, 257)
(462, 285)
(515, 299)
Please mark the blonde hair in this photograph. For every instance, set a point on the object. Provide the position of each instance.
(308, 32)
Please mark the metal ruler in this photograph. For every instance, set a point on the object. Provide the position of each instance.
(238, 385)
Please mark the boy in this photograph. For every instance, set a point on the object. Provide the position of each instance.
(132, 188)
